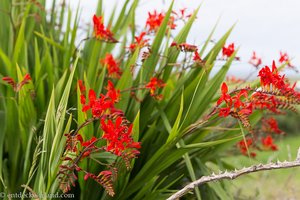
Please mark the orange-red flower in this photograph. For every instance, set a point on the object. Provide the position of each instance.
(228, 51)
(155, 19)
(285, 58)
(233, 103)
(112, 93)
(112, 66)
(154, 84)
(270, 125)
(118, 136)
(268, 144)
(243, 146)
(101, 32)
(103, 104)
(270, 77)
(139, 42)
(224, 96)
(17, 86)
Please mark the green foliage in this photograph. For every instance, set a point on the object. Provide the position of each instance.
(33, 121)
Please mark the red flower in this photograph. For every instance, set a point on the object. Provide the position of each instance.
(10, 81)
(268, 78)
(17, 87)
(228, 51)
(102, 105)
(154, 84)
(243, 146)
(118, 136)
(112, 66)
(237, 99)
(155, 20)
(112, 93)
(89, 142)
(224, 97)
(97, 105)
(101, 32)
(255, 61)
(284, 58)
(267, 143)
(270, 125)
(224, 112)
(139, 42)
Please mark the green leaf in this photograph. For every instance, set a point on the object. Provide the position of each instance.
(126, 81)
(49, 40)
(210, 144)
(174, 131)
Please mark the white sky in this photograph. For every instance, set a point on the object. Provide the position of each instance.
(266, 26)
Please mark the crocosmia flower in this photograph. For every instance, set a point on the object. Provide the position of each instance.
(228, 51)
(112, 66)
(118, 136)
(140, 42)
(101, 32)
(17, 86)
(154, 84)
(155, 19)
(268, 144)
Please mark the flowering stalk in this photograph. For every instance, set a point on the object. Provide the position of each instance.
(117, 132)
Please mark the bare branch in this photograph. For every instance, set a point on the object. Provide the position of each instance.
(234, 174)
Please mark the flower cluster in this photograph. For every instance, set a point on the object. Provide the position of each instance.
(245, 145)
(101, 32)
(275, 95)
(270, 125)
(155, 19)
(117, 134)
(153, 85)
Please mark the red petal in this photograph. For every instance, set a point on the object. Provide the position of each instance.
(224, 88)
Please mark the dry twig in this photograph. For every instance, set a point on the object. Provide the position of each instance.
(234, 174)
